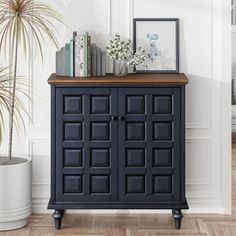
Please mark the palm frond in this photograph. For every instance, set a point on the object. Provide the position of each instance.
(22, 22)
(20, 19)
(5, 100)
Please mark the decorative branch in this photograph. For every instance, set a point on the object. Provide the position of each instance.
(21, 21)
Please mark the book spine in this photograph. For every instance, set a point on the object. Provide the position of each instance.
(103, 63)
(63, 61)
(81, 66)
(94, 60)
(71, 58)
(99, 62)
(86, 54)
(74, 35)
(58, 63)
(77, 56)
(66, 60)
(89, 57)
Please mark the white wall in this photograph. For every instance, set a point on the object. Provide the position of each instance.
(204, 57)
(234, 52)
(234, 74)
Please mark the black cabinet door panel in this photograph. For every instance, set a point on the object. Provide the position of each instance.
(149, 144)
(86, 144)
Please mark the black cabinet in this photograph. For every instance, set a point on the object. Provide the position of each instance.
(86, 144)
(118, 146)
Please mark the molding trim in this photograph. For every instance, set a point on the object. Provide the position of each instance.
(110, 2)
(31, 143)
(207, 141)
(233, 27)
(131, 16)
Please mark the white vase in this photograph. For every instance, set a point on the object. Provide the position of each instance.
(15, 195)
(120, 68)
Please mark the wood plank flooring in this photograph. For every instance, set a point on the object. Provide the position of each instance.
(133, 224)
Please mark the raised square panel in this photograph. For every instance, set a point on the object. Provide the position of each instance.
(162, 131)
(162, 105)
(135, 157)
(135, 184)
(99, 157)
(73, 158)
(73, 131)
(135, 131)
(100, 131)
(135, 104)
(100, 184)
(162, 184)
(73, 184)
(100, 105)
(162, 157)
(73, 105)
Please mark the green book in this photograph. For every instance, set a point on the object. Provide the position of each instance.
(71, 58)
(86, 54)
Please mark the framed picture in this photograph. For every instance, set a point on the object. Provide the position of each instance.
(160, 39)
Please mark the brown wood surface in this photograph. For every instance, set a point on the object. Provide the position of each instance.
(124, 224)
(145, 79)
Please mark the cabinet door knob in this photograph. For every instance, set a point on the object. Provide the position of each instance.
(122, 118)
(114, 118)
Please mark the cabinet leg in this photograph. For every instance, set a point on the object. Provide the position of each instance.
(178, 216)
(58, 215)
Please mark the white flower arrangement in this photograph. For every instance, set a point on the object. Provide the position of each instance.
(139, 58)
(121, 50)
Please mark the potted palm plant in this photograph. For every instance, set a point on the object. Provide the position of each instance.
(22, 23)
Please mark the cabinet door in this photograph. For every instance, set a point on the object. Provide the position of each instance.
(149, 144)
(86, 144)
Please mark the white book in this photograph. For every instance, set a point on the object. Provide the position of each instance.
(81, 64)
(77, 56)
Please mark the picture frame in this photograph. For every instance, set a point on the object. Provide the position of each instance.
(159, 37)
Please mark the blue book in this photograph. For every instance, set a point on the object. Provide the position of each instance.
(74, 35)
(71, 58)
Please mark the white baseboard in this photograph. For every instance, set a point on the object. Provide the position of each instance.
(40, 207)
(199, 203)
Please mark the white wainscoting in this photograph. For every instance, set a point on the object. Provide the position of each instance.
(203, 57)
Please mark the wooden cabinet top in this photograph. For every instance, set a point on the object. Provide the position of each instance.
(132, 79)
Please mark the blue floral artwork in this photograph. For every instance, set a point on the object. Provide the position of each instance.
(158, 39)
(153, 51)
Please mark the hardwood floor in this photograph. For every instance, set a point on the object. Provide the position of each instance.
(133, 224)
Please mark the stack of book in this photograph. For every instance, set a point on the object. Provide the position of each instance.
(81, 58)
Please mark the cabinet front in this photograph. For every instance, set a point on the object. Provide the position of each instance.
(86, 150)
(118, 144)
(149, 144)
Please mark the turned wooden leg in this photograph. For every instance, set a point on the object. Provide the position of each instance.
(178, 216)
(58, 215)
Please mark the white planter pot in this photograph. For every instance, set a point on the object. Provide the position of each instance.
(15, 195)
